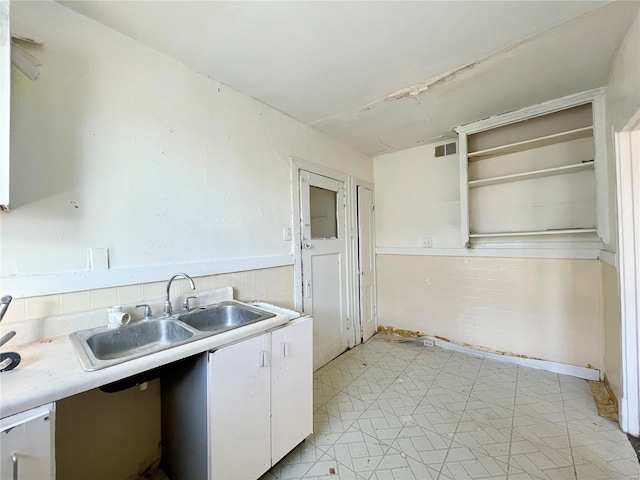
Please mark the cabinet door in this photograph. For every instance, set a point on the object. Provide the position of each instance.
(291, 386)
(26, 446)
(239, 423)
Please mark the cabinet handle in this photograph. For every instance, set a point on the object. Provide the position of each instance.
(14, 459)
(260, 358)
(283, 349)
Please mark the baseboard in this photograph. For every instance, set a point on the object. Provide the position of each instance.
(550, 366)
(555, 367)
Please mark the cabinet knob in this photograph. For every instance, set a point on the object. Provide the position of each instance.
(283, 349)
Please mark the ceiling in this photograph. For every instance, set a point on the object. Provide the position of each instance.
(384, 76)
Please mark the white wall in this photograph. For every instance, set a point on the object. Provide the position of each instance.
(417, 195)
(119, 146)
(623, 93)
(546, 308)
(550, 309)
(622, 104)
(611, 328)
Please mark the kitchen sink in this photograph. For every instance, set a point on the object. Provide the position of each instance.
(114, 345)
(103, 346)
(223, 316)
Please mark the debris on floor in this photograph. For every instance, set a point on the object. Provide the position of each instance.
(635, 443)
(407, 335)
(604, 403)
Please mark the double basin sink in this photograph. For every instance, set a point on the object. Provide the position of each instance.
(102, 347)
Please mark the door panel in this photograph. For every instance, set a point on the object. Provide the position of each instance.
(26, 448)
(239, 410)
(291, 386)
(330, 339)
(366, 259)
(323, 236)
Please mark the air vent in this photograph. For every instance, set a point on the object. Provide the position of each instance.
(448, 149)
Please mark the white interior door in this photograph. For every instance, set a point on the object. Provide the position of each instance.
(366, 259)
(324, 285)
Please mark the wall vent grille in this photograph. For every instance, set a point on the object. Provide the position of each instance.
(447, 149)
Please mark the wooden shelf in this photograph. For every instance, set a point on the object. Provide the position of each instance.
(567, 231)
(578, 167)
(583, 132)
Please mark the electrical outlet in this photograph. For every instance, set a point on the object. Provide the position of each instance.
(427, 342)
(426, 242)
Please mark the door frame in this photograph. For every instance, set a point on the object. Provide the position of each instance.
(298, 165)
(369, 186)
(627, 163)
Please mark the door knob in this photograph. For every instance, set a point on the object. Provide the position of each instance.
(306, 245)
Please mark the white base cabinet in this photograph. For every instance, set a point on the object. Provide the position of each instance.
(250, 403)
(27, 445)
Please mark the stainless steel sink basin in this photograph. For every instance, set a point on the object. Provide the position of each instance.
(223, 316)
(108, 346)
(102, 347)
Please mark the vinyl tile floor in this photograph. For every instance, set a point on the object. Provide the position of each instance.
(396, 411)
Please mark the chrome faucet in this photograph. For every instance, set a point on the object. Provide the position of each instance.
(168, 309)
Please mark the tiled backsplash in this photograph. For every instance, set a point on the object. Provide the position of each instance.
(272, 285)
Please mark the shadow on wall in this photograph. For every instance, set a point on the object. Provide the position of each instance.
(45, 149)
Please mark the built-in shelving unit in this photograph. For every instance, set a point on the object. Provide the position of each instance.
(531, 173)
(552, 139)
(578, 167)
(567, 231)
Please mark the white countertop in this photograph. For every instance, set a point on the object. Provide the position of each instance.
(50, 369)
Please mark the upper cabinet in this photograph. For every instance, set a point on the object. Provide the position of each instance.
(535, 175)
(5, 102)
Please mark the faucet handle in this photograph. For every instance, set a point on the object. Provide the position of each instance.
(185, 305)
(147, 310)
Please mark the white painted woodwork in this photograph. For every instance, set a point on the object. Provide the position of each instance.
(324, 273)
(543, 141)
(531, 175)
(291, 386)
(28, 439)
(366, 263)
(628, 200)
(5, 102)
(239, 410)
(531, 172)
(566, 231)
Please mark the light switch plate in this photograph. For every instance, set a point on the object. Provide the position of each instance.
(426, 242)
(98, 259)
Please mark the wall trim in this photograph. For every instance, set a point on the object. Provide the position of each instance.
(608, 257)
(582, 254)
(36, 285)
(627, 166)
(555, 367)
(530, 112)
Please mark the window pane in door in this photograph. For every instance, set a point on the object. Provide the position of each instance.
(323, 202)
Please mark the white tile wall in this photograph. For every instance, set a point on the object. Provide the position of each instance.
(542, 308)
(272, 285)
